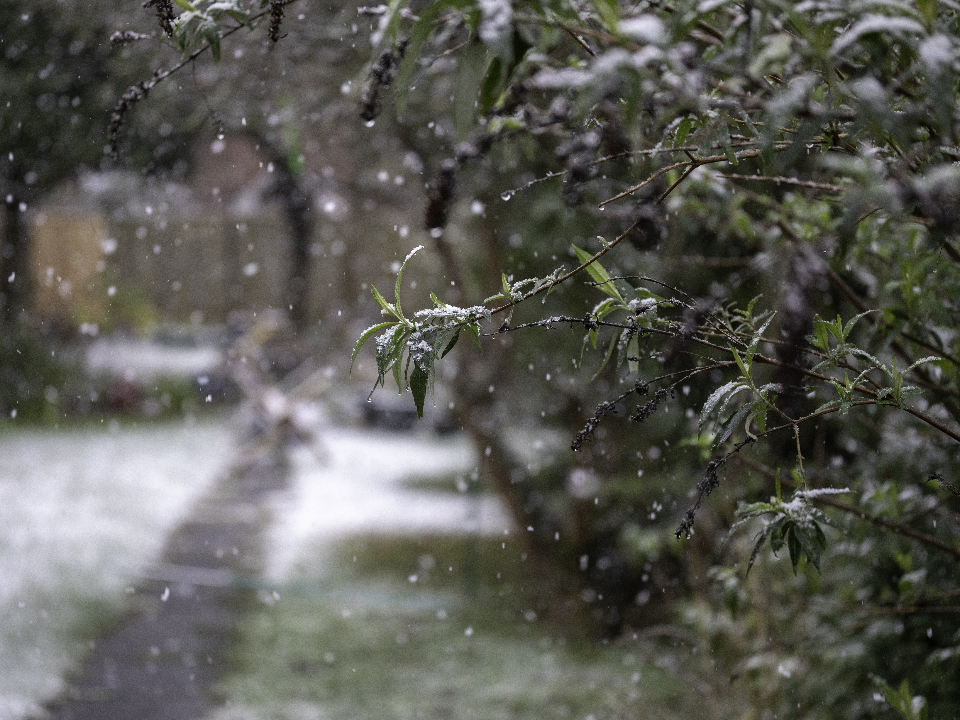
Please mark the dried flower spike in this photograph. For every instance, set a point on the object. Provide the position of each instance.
(165, 15)
(276, 17)
(122, 37)
(133, 95)
(381, 76)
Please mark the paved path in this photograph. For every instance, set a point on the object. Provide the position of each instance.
(163, 659)
(160, 662)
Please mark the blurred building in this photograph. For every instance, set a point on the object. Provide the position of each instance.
(118, 249)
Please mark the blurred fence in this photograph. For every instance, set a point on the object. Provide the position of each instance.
(119, 251)
(90, 268)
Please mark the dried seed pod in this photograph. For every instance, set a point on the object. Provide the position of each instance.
(133, 95)
(165, 15)
(276, 17)
(382, 74)
(122, 37)
(440, 193)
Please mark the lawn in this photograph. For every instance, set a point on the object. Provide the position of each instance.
(81, 510)
(398, 627)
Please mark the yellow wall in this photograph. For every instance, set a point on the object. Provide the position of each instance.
(68, 261)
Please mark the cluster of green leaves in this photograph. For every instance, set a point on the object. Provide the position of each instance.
(513, 292)
(758, 133)
(909, 706)
(795, 524)
(409, 347)
(852, 107)
(753, 411)
(836, 357)
(640, 312)
(203, 22)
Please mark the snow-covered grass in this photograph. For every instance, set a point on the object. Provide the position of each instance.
(146, 359)
(352, 481)
(80, 510)
(382, 599)
(432, 626)
(392, 602)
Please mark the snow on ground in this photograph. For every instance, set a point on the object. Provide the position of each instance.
(353, 483)
(144, 358)
(80, 511)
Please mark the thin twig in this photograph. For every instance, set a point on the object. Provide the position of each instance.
(796, 435)
(693, 164)
(547, 286)
(673, 187)
(779, 179)
(162, 75)
(897, 528)
(580, 41)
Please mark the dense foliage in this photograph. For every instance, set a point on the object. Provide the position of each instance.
(54, 79)
(747, 214)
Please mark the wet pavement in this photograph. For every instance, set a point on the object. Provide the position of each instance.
(164, 657)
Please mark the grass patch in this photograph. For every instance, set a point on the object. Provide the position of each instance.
(431, 627)
(458, 482)
(81, 509)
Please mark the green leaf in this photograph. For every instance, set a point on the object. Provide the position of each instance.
(367, 334)
(398, 373)
(777, 539)
(419, 379)
(421, 31)
(382, 302)
(809, 544)
(604, 308)
(793, 546)
(836, 329)
(474, 332)
(238, 15)
(389, 350)
(591, 337)
(609, 13)
(212, 35)
(600, 276)
(645, 294)
(928, 9)
(848, 328)
(611, 348)
(901, 700)
(449, 347)
(743, 368)
(494, 80)
(820, 339)
(820, 538)
(762, 538)
(759, 417)
(396, 287)
(728, 151)
(729, 389)
(180, 32)
(633, 351)
(864, 355)
(923, 361)
(734, 422)
(683, 129)
(755, 341)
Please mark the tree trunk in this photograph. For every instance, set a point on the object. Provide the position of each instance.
(14, 264)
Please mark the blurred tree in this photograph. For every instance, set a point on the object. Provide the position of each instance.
(287, 97)
(55, 91)
(727, 178)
